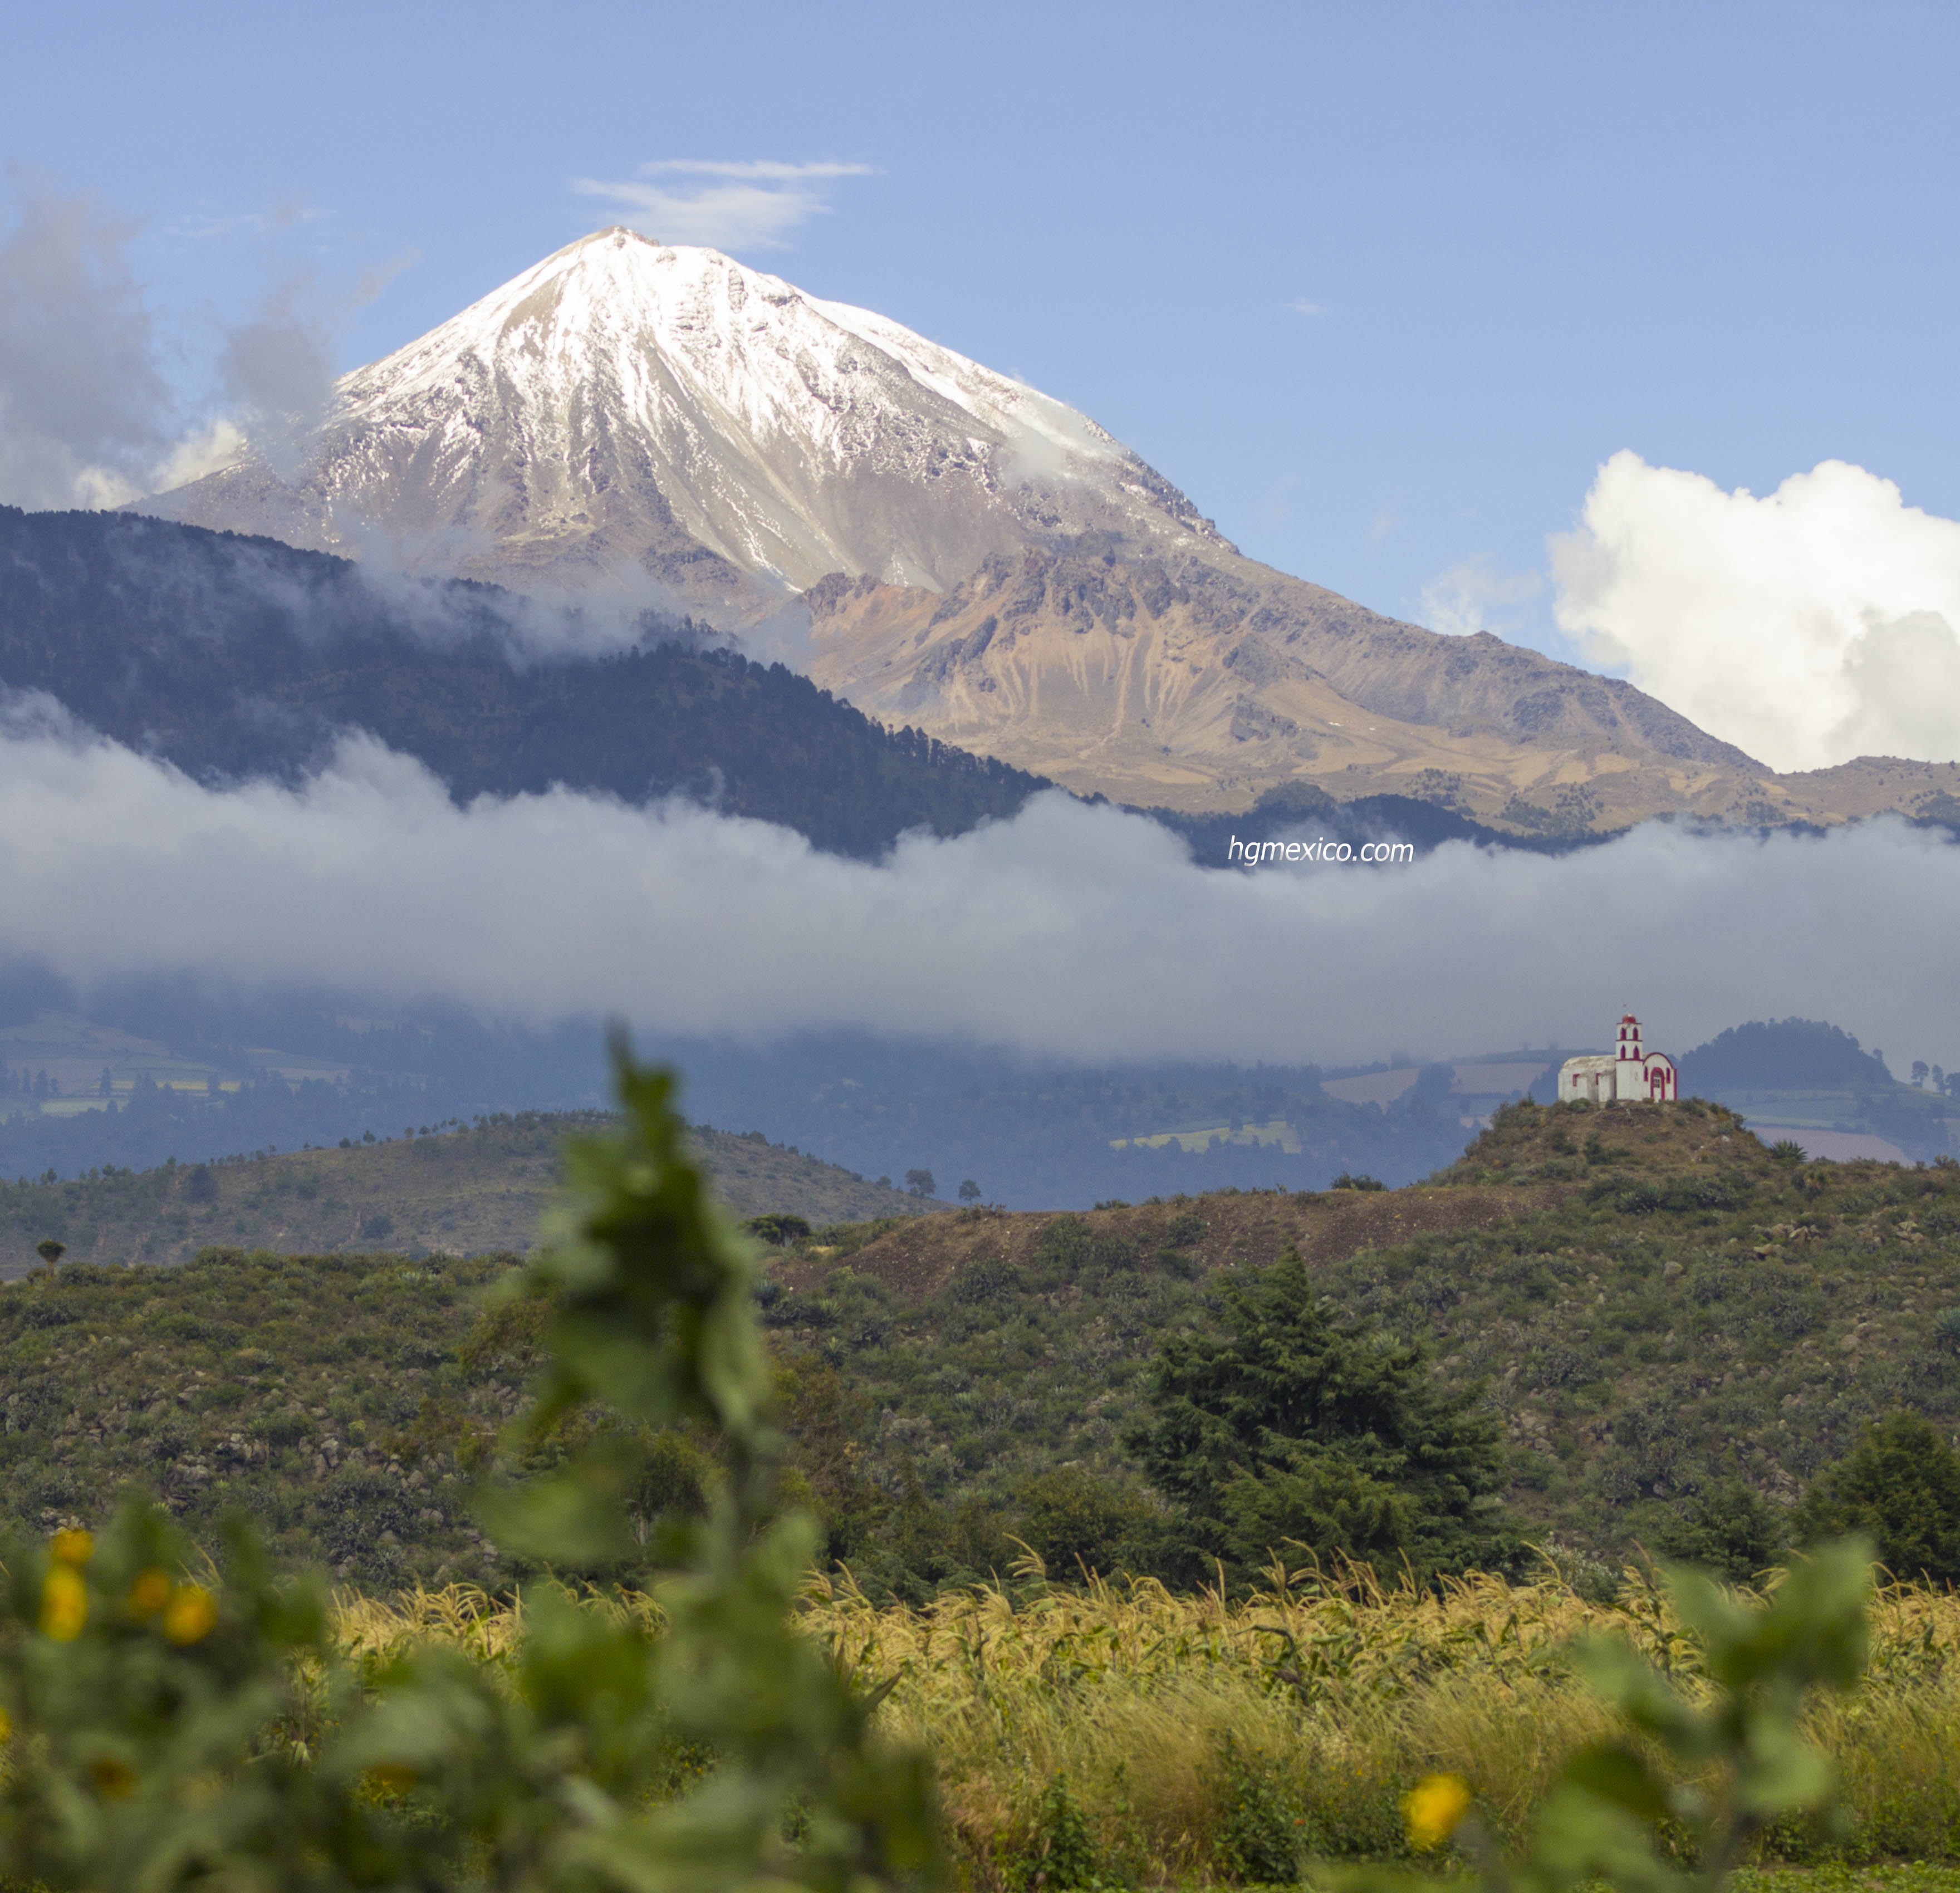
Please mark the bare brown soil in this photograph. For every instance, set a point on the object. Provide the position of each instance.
(1242, 1228)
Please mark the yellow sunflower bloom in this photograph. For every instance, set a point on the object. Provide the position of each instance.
(190, 1614)
(63, 1603)
(1433, 1807)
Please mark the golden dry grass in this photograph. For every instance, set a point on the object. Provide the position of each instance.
(1332, 1695)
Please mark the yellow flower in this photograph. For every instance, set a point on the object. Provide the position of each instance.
(63, 1603)
(189, 1615)
(1433, 1807)
(73, 1547)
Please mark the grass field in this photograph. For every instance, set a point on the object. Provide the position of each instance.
(1203, 1740)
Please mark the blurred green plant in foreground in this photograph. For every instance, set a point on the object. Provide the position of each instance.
(161, 1733)
(169, 1725)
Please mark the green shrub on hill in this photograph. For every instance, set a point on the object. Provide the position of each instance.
(1725, 1527)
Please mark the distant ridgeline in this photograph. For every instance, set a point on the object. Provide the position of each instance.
(1783, 1054)
(233, 657)
(1304, 810)
(1032, 1135)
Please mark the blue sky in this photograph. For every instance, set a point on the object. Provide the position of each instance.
(1380, 287)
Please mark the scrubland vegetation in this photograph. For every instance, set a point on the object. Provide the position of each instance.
(1068, 1618)
(466, 1192)
(1671, 1331)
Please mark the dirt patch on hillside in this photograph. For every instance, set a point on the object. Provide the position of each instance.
(1244, 1228)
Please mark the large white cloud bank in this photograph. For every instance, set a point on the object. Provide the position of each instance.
(1814, 624)
(1070, 930)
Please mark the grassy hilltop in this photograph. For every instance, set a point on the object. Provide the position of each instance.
(1662, 1311)
(462, 1193)
(1658, 1307)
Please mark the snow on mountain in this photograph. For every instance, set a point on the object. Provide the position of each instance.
(661, 425)
(628, 410)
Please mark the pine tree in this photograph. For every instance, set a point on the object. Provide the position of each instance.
(1281, 1432)
(1900, 1485)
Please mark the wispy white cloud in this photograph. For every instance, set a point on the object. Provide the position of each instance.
(1814, 624)
(212, 226)
(732, 205)
(1472, 595)
(88, 416)
(768, 169)
(1301, 306)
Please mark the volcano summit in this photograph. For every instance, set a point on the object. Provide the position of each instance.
(967, 555)
(629, 409)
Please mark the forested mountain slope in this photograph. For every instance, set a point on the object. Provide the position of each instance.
(233, 657)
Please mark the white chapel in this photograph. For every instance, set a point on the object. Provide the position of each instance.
(1624, 1075)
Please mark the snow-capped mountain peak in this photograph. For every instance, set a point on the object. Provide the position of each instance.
(630, 405)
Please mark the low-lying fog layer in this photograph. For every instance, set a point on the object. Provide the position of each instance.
(1078, 931)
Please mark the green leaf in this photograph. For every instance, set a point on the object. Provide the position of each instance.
(1614, 1774)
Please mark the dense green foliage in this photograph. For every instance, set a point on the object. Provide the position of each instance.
(1900, 1486)
(234, 656)
(1674, 1332)
(290, 1389)
(167, 1733)
(1281, 1429)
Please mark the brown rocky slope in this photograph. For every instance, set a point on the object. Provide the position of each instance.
(1199, 681)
